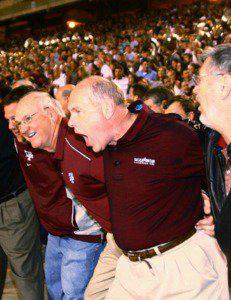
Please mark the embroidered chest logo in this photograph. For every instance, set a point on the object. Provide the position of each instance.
(71, 177)
(29, 155)
(144, 161)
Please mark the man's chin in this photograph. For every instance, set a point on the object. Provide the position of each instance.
(204, 120)
(35, 144)
(97, 148)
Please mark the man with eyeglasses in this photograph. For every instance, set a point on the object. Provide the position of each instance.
(75, 240)
(213, 92)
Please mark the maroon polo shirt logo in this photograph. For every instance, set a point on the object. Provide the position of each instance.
(144, 161)
(29, 155)
(71, 177)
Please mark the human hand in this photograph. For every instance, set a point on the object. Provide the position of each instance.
(206, 224)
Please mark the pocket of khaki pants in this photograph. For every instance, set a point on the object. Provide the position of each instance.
(12, 214)
(201, 261)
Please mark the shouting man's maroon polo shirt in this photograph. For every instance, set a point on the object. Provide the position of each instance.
(83, 173)
(153, 178)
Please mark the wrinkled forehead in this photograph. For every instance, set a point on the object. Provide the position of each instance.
(10, 109)
(25, 108)
(79, 98)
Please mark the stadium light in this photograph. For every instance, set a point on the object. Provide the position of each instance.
(71, 24)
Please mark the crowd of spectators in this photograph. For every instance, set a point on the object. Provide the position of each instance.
(152, 56)
(148, 48)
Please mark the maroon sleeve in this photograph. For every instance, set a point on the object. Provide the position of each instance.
(182, 153)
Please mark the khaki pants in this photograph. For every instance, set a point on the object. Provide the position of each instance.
(196, 269)
(20, 240)
(3, 267)
(104, 272)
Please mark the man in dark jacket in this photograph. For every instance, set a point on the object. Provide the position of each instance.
(214, 96)
(19, 230)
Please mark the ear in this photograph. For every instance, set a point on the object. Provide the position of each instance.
(191, 116)
(226, 86)
(49, 110)
(108, 108)
(163, 105)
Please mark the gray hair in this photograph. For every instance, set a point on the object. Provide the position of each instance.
(45, 100)
(220, 57)
(66, 93)
(101, 88)
(108, 89)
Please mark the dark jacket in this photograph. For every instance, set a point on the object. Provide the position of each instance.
(11, 177)
(220, 202)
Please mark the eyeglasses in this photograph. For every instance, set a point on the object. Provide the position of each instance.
(197, 78)
(27, 120)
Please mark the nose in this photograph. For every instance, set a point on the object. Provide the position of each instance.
(70, 122)
(195, 90)
(11, 126)
(23, 128)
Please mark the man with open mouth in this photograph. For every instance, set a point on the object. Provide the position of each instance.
(154, 173)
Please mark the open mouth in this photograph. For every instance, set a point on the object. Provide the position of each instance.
(86, 139)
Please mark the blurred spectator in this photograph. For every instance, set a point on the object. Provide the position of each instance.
(62, 96)
(137, 91)
(180, 105)
(155, 97)
(145, 71)
(121, 80)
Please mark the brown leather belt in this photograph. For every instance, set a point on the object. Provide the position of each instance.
(144, 254)
(99, 238)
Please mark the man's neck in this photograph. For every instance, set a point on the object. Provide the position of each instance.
(225, 126)
(227, 137)
(122, 123)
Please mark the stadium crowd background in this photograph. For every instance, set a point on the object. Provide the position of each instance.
(149, 48)
(138, 52)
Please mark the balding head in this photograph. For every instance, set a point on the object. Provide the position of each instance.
(39, 116)
(97, 106)
(63, 94)
(99, 89)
